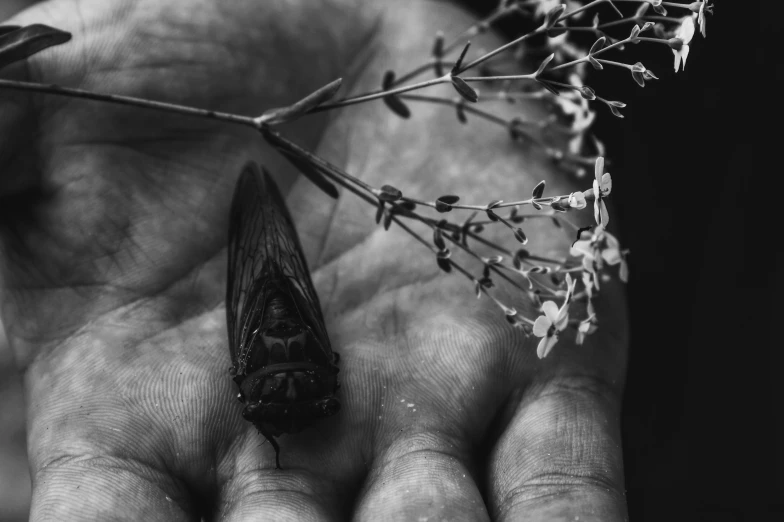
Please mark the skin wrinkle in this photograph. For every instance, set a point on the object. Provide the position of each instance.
(129, 237)
(251, 483)
(128, 465)
(522, 500)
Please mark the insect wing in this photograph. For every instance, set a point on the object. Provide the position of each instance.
(264, 253)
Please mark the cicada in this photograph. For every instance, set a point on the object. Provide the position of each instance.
(281, 357)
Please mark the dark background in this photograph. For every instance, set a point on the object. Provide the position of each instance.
(695, 163)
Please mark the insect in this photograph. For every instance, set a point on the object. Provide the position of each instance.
(281, 357)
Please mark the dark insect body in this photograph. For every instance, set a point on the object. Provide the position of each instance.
(281, 357)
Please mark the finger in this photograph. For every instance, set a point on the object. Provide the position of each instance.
(128, 430)
(560, 457)
(422, 477)
(88, 487)
(257, 492)
(433, 406)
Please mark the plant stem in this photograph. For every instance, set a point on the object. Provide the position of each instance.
(383, 94)
(129, 100)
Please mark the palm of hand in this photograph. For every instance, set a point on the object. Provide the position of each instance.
(117, 278)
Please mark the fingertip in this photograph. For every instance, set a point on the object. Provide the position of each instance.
(560, 457)
(421, 478)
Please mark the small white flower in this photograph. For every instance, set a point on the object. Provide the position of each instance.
(554, 320)
(684, 32)
(602, 186)
(601, 248)
(577, 200)
(700, 8)
(586, 327)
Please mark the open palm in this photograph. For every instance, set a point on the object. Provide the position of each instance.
(114, 230)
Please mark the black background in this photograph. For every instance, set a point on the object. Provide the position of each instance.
(695, 164)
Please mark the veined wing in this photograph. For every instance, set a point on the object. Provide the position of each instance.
(264, 253)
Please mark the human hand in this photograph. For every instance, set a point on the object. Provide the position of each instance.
(114, 228)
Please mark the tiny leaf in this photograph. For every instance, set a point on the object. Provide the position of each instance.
(638, 77)
(438, 45)
(615, 110)
(543, 65)
(388, 80)
(438, 239)
(443, 207)
(444, 203)
(459, 62)
(538, 190)
(311, 172)
(461, 117)
(598, 44)
(379, 212)
(553, 15)
(407, 205)
(549, 87)
(596, 65)
(387, 220)
(396, 105)
(559, 205)
(444, 264)
(389, 193)
(587, 93)
(520, 236)
(19, 43)
(300, 108)
(464, 90)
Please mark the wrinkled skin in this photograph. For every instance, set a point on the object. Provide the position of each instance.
(114, 230)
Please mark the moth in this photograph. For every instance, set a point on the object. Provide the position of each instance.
(282, 360)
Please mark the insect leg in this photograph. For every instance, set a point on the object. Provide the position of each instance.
(275, 446)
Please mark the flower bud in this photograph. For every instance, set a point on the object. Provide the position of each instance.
(587, 93)
(675, 43)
